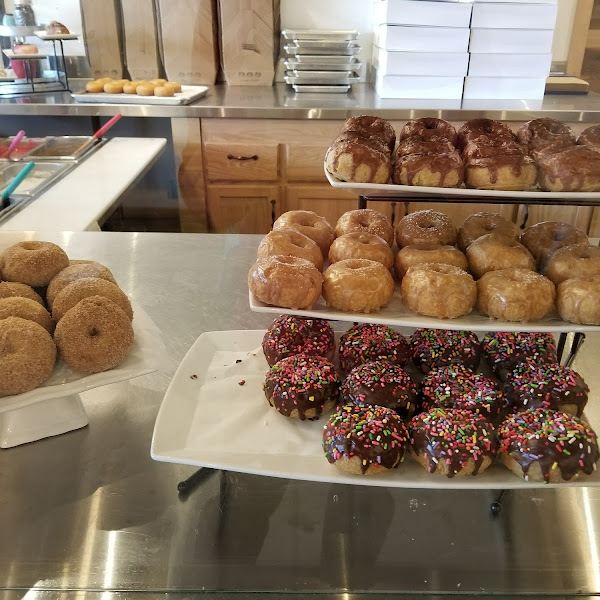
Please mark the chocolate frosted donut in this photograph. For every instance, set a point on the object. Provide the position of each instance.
(365, 440)
(423, 144)
(358, 162)
(547, 445)
(366, 342)
(452, 442)
(429, 127)
(290, 334)
(510, 172)
(371, 126)
(302, 386)
(539, 134)
(574, 170)
(482, 223)
(434, 348)
(429, 170)
(504, 350)
(381, 383)
(455, 386)
(546, 385)
(590, 136)
(471, 130)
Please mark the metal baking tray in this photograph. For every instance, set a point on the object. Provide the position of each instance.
(41, 176)
(320, 89)
(345, 49)
(321, 77)
(338, 35)
(65, 147)
(294, 64)
(335, 59)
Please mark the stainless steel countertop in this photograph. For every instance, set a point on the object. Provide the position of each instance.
(281, 102)
(89, 512)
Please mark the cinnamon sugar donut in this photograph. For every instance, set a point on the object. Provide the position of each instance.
(429, 127)
(371, 127)
(475, 128)
(538, 134)
(425, 227)
(578, 300)
(367, 220)
(515, 295)
(357, 285)
(310, 224)
(438, 290)
(33, 263)
(11, 289)
(577, 260)
(573, 170)
(286, 281)
(361, 245)
(25, 308)
(290, 242)
(482, 223)
(358, 162)
(428, 253)
(493, 252)
(590, 136)
(545, 238)
(429, 170)
(501, 172)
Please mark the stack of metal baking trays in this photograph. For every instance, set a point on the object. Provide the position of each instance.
(321, 60)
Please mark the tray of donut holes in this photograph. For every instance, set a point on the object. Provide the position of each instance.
(154, 91)
(426, 272)
(483, 158)
(66, 326)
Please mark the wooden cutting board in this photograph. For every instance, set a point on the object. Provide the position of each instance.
(101, 38)
(188, 31)
(141, 44)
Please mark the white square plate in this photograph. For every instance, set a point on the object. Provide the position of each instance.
(189, 93)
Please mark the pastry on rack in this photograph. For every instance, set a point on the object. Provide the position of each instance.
(578, 300)
(56, 28)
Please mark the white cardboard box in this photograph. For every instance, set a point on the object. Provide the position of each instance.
(516, 16)
(500, 88)
(422, 39)
(512, 41)
(418, 86)
(516, 1)
(507, 65)
(422, 12)
(390, 62)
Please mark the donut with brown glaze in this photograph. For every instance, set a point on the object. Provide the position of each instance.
(475, 128)
(358, 162)
(493, 252)
(371, 126)
(538, 134)
(365, 220)
(578, 300)
(429, 170)
(590, 136)
(429, 127)
(509, 172)
(482, 223)
(425, 227)
(574, 170)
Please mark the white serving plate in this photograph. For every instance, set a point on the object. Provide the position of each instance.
(58, 36)
(391, 190)
(189, 93)
(207, 419)
(12, 55)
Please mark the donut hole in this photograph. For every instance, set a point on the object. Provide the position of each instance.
(93, 332)
(30, 246)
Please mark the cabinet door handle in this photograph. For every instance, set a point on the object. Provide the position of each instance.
(232, 157)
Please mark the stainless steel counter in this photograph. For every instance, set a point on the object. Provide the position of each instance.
(281, 102)
(89, 515)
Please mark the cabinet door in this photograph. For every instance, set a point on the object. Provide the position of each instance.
(241, 162)
(595, 223)
(241, 208)
(580, 216)
(304, 162)
(459, 212)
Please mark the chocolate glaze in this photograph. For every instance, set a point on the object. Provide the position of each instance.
(515, 162)
(486, 146)
(429, 127)
(408, 167)
(420, 144)
(377, 163)
(575, 169)
(590, 136)
(475, 128)
(368, 125)
(438, 347)
(538, 133)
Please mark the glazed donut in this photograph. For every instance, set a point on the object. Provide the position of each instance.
(145, 89)
(95, 335)
(27, 355)
(175, 85)
(425, 227)
(438, 290)
(74, 271)
(493, 252)
(429, 127)
(358, 162)
(357, 285)
(529, 448)
(546, 385)
(113, 87)
(366, 342)
(482, 223)
(82, 288)
(289, 335)
(578, 300)
(475, 128)
(429, 170)
(452, 442)
(365, 220)
(381, 383)
(164, 91)
(573, 170)
(94, 87)
(33, 263)
(577, 260)
(310, 224)
(131, 87)
(428, 253)
(545, 238)
(419, 144)
(302, 386)
(507, 172)
(515, 295)
(455, 386)
(434, 348)
(290, 242)
(361, 245)
(25, 308)
(365, 440)
(12, 289)
(369, 126)
(537, 134)
(590, 136)
(286, 281)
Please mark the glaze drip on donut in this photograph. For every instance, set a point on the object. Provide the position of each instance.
(433, 348)
(373, 435)
(302, 385)
(590, 136)
(552, 439)
(574, 170)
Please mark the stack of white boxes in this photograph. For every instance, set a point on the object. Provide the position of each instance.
(510, 49)
(421, 48)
